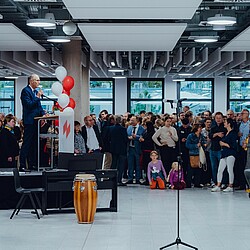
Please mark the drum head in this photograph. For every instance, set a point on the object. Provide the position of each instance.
(85, 177)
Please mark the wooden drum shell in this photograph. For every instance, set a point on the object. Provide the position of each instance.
(85, 199)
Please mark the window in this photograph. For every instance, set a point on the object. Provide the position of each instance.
(145, 94)
(46, 84)
(101, 95)
(238, 94)
(199, 94)
(7, 96)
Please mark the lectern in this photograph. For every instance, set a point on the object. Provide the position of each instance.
(51, 135)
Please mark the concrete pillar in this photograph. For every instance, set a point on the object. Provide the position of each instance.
(85, 90)
(21, 82)
(72, 56)
(121, 96)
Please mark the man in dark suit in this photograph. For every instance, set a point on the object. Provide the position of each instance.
(118, 147)
(91, 136)
(31, 103)
(134, 133)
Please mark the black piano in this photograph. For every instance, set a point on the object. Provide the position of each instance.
(61, 180)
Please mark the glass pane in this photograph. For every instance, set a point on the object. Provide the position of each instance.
(7, 107)
(239, 89)
(46, 87)
(7, 89)
(196, 90)
(47, 105)
(101, 89)
(97, 106)
(197, 106)
(146, 89)
(237, 106)
(148, 106)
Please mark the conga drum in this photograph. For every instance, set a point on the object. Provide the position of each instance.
(85, 197)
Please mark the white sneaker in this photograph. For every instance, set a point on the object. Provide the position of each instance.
(215, 189)
(228, 189)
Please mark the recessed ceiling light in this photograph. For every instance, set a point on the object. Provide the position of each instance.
(178, 80)
(219, 19)
(196, 64)
(115, 70)
(235, 77)
(48, 21)
(112, 64)
(58, 39)
(185, 74)
(206, 39)
(41, 63)
(11, 77)
(119, 77)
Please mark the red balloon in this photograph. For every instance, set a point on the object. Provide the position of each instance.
(67, 92)
(68, 83)
(72, 103)
(57, 123)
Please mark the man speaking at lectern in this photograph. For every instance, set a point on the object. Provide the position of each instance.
(32, 108)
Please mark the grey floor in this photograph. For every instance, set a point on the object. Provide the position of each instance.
(146, 220)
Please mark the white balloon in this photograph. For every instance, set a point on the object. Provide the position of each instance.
(63, 100)
(57, 88)
(61, 73)
(69, 28)
(68, 111)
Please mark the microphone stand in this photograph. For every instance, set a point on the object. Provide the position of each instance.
(178, 240)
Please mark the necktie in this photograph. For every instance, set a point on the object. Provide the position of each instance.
(133, 132)
(35, 92)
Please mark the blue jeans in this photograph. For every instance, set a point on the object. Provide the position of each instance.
(215, 159)
(133, 163)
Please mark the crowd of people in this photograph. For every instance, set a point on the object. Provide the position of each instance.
(147, 148)
(128, 142)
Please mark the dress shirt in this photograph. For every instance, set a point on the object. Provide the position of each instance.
(134, 131)
(92, 142)
(244, 129)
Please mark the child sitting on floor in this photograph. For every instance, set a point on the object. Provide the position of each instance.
(175, 181)
(156, 172)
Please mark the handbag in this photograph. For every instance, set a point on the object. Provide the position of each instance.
(194, 161)
(203, 161)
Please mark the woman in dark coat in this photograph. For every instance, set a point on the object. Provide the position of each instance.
(9, 148)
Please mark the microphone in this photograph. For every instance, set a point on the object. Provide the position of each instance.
(174, 101)
(46, 97)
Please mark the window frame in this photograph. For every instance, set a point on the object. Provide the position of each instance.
(105, 99)
(228, 91)
(198, 100)
(14, 97)
(129, 99)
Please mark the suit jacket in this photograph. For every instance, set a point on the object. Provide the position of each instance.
(31, 105)
(8, 147)
(139, 133)
(118, 140)
(97, 133)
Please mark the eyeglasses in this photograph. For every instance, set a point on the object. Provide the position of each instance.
(244, 113)
(89, 120)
